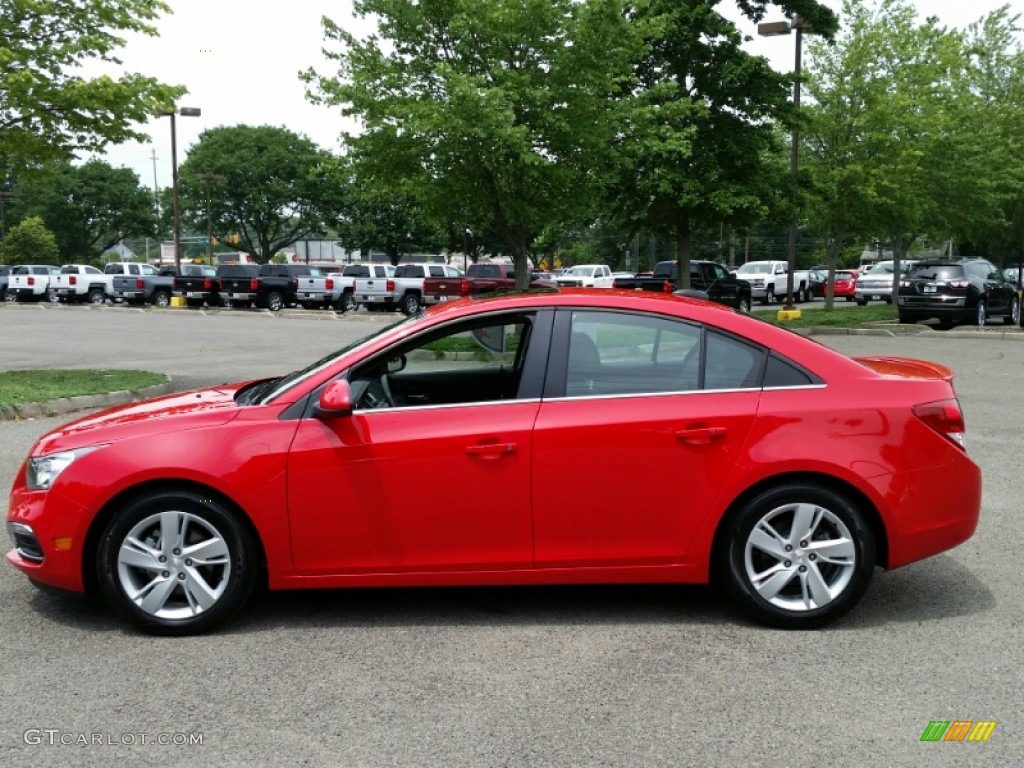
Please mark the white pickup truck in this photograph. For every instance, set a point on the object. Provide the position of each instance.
(377, 289)
(31, 282)
(769, 281)
(80, 282)
(586, 276)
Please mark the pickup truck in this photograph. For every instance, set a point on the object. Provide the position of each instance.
(409, 284)
(707, 276)
(345, 286)
(377, 288)
(769, 281)
(276, 286)
(198, 284)
(31, 282)
(586, 276)
(154, 289)
(482, 277)
(80, 282)
(114, 268)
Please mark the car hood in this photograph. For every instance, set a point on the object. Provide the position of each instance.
(906, 368)
(178, 412)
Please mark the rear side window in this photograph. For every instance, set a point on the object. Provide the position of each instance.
(782, 373)
(731, 363)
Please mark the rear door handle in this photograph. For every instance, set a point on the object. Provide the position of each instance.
(491, 451)
(700, 435)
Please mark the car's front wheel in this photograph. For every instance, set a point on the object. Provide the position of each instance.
(162, 299)
(798, 556)
(176, 563)
(95, 296)
(982, 314)
(743, 305)
(347, 302)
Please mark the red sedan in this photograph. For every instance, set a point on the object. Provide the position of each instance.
(845, 284)
(716, 445)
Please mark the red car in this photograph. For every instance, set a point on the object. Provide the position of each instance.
(844, 285)
(715, 445)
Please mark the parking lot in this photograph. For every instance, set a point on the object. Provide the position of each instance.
(589, 676)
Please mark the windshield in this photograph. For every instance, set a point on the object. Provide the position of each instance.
(581, 271)
(277, 387)
(755, 269)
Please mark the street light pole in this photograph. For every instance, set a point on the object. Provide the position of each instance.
(184, 112)
(771, 29)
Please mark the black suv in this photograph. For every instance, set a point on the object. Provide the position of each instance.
(956, 290)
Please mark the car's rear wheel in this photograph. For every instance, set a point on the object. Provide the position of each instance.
(410, 304)
(274, 301)
(1014, 317)
(982, 313)
(798, 556)
(162, 299)
(95, 296)
(769, 295)
(176, 563)
(347, 302)
(52, 297)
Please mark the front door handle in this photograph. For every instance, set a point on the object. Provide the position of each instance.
(491, 451)
(700, 435)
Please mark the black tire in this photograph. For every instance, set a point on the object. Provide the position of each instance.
(411, 304)
(945, 324)
(95, 296)
(194, 302)
(981, 314)
(906, 320)
(224, 584)
(10, 296)
(862, 302)
(274, 301)
(1013, 318)
(769, 295)
(52, 297)
(162, 299)
(347, 302)
(798, 590)
(743, 305)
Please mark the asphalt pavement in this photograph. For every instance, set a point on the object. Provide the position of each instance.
(594, 676)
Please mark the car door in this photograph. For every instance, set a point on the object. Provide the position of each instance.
(629, 450)
(438, 481)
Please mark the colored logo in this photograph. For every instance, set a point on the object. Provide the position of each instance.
(958, 730)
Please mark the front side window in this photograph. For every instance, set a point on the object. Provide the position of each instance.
(477, 362)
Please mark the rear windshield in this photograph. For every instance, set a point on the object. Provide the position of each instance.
(844, 275)
(936, 272)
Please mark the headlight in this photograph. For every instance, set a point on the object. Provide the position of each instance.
(42, 471)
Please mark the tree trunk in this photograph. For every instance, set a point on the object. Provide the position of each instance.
(683, 251)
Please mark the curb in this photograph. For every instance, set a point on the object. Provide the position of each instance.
(82, 402)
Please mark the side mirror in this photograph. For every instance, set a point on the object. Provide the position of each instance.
(396, 364)
(335, 399)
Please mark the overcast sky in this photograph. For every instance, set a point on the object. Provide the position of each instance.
(239, 61)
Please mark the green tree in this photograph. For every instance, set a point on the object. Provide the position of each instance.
(884, 142)
(89, 207)
(495, 114)
(269, 192)
(30, 242)
(47, 110)
(699, 138)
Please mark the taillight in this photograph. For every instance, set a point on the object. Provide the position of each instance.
(464, 287)
(254, 284)
(73, 280)
(959, 283)
(390, 286)
(329, 285)
(31, 280)
(945, 417)
(207, 284)
(139, 283)
(175, 285)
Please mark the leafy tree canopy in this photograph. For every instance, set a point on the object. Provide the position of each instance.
(30, 242)
(47, 109)
(265, 186)
(89, 208)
